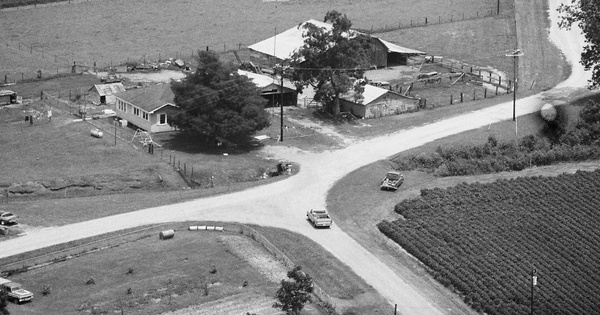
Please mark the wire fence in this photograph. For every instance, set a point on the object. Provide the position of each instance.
(40, 62)
(430, 20)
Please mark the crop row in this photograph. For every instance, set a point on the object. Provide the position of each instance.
(483, 240)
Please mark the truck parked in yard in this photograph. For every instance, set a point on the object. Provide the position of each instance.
(319, 218)
(392, 180)
(15, 291)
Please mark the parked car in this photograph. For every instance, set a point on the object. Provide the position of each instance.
(7, 218)
(15, 291)
(392, 180)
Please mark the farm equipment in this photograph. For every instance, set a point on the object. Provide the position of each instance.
(392, 181)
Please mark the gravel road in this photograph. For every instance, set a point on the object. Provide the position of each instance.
(284, 204)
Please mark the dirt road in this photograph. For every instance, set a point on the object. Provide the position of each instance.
(284, 204)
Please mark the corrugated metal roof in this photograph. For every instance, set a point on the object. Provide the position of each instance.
(370, 94)
(399, 49)
(109, 89)
(262, 80)
(150, 98)
(284, 44)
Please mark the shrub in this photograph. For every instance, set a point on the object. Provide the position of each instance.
(46, 290)
(90, 281)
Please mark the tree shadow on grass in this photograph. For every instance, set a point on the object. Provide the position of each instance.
(187, 143)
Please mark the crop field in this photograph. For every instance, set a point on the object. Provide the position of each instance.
(484, 241)
(107, 31)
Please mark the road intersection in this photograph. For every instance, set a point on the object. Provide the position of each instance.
(283, 204)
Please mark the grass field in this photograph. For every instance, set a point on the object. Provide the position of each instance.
(96, 31)
(160, 282)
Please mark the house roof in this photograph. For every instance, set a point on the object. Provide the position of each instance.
(263, 81)
(109, 89)
(283, 45)
(151, 98)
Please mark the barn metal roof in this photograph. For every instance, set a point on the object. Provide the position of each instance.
(283, 45)
(399, 49)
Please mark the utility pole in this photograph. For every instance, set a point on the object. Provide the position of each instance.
(515, 54)
(281, 89)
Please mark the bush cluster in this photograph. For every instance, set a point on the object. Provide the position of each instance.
(578, 143)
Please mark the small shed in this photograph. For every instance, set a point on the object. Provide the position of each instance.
(272, 89)
(8, 97)
(105, 93)
(377, 102)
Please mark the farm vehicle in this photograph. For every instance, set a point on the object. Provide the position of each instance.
(392, 181)
(15, 291)
(319, 218)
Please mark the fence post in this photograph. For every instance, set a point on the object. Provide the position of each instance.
(184, 169)
(474, 94)
(496, 90)
(461, 97)
(485, 93)
(425, 21)
(450, 99)
(499, 80)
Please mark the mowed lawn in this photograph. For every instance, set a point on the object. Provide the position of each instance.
(191, 268)
(209, 271)
(116, 31)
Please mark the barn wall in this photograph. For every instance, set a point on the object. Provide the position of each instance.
(378, 53)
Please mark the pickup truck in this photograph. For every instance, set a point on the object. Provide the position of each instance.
(15, 291)
(319, 218)
(392, 180)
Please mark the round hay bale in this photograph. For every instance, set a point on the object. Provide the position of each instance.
(166, 234)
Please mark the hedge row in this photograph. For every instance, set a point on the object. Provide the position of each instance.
(581, 142)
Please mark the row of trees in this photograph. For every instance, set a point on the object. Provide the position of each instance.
(482, 240)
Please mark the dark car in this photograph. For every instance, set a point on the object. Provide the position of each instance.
(7, 218)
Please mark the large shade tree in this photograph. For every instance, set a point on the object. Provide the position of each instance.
(587, 14)
(331, 60)
(293, 294)
(215, 102)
